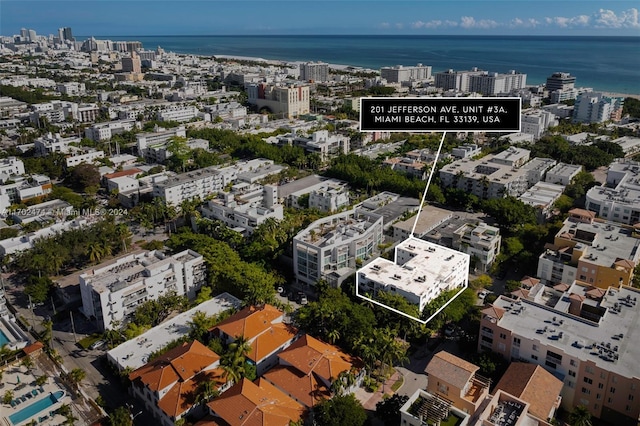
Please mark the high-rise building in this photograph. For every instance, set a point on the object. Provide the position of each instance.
(287, 101)
(493, 83)
(455, 80)
(132, 63)
(32, 36)
(400, 73)
(593, 107)
(24, 34)
(314, 71)
(65, 34)
(560, 81)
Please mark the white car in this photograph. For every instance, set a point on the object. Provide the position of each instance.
(483, 294)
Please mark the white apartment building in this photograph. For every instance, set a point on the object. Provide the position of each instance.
(321, 142)
(105, 131)
(10, 166)
(20, 243)
(328, 194)
(400, 73)
(542, 197)
(286, 101)
(562, 173)
(49, 143)
(490, 84)
(329, 248)
(245, 207)
(159, 137)
(203, 182)
(494, 176)
(618, 200)
(314, 71)
(455, 80)
(480, 241)
(466, 151)
(407, 166)
(71, 88)
(420, 272)
(179, 114)
(594, 107)
(82, 155)
(587, 337)
(24, 188)
(536, 122)
(112, 290)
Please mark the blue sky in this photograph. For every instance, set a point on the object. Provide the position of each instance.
(213, 17)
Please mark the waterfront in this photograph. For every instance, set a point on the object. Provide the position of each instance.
(603, 63)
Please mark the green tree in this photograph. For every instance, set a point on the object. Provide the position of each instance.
(180, 152)
(27, 362)
(483, 281)
(388, 410)
(41, 380)
(580, 416)
(76, 375)
(206, 391)
(38, 288)
(7, 397)
(120, 417)
(341, 410)
(200, 324)
(84, 176)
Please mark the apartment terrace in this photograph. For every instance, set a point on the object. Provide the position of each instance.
(124, 271)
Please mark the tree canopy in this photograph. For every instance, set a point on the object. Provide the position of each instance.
(341, 410)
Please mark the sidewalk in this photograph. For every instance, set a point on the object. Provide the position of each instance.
(369, 400)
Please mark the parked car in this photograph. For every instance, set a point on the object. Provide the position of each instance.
(302, 298)
(97, 345)
(483, 294)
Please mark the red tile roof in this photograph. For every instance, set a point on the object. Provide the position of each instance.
(182, 396)
(493, 312)
(178, 364)
(307, 389)
(309, 354)
(255, 404)
(121, 173)
(532, 384)
(270, 340)
(249, 322)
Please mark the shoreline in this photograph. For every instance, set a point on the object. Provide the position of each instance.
(353, 67)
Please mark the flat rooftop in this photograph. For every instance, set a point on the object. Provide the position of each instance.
(430, 263)
(616, 334)
(135, 353)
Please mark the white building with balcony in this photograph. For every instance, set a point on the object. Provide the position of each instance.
(330, 247)
(10, 166)
(619, 199)
(420, 273)
(113, 290)
(480, 241)
(245, 207)
(105, 131)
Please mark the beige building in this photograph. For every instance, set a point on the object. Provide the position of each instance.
(284, 101)
(585, 336)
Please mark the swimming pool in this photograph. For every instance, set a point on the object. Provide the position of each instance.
(33, 409)
(3, 339)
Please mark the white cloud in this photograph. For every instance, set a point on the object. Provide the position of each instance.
(563, 22)
(470, 22)
(524, 23)
(606, 18)
(436, 23)
(384, 25)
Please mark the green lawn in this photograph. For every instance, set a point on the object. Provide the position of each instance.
(89, 340)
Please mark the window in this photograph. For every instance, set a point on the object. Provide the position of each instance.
(516, 341)
(609, 400)
(588, 369)
(600, 385)
(598, 396)
(612, 390)
(584, 401)
(571, 384)
(572, 373)
(586, 391)
(588, 380)
(534, 357)
(501, 347)
(573, 363)
(630, 397)
(535, 348)
(503, 336)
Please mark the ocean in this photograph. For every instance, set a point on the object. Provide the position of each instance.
(604, 63)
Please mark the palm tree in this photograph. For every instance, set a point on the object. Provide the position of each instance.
(76, 375)
(207, 391)
(580, 416)
(333, 335)
(27, 362)
(8, 397)
(233, 362)
(95, 252)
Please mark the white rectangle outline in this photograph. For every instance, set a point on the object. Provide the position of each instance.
(455, 296)
(441, 130)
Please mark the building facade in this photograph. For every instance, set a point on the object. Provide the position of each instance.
(112, 291)
(330, 247)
